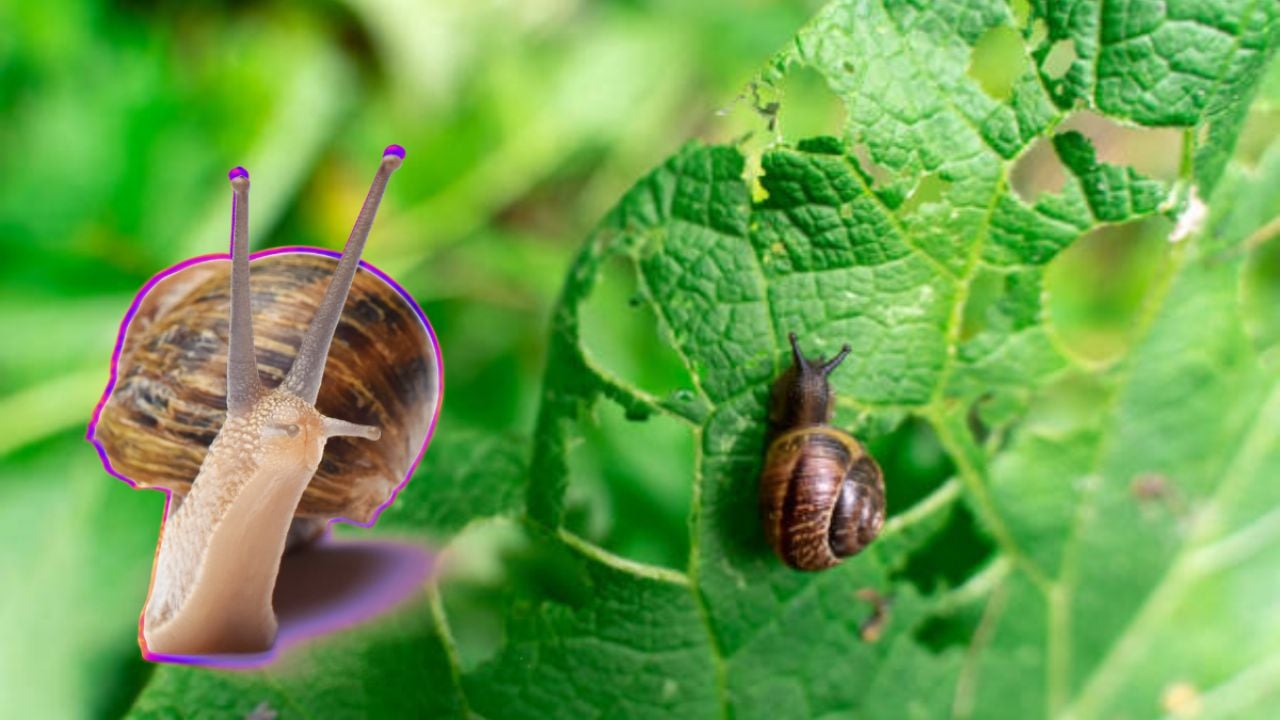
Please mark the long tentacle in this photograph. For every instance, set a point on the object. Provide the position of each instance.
(243, 383)
(304, 376)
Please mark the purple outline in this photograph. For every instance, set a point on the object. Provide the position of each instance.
(262, 658)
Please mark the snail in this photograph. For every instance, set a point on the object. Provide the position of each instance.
(266, 408)
(821, 494)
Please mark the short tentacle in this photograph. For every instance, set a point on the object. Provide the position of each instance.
(834, 362)
(796, 355)
(334, 427)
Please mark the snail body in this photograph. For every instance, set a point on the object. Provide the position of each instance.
(262, 422)
(821, 495)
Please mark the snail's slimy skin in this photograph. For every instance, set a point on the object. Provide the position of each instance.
(220, 551)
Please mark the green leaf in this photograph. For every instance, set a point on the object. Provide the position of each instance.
(332, 681)
(1119, 507)
(640, 631)
(466, 475)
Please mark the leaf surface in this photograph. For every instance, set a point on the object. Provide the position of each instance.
(1114, 525)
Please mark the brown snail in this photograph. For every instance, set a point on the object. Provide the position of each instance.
(267, 407)
(821, 494)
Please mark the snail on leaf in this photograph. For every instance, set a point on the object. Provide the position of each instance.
(821, 494)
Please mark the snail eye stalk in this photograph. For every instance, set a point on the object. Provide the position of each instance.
(243, 384)
(307, 370)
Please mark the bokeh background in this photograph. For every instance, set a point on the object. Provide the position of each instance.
(524, 121)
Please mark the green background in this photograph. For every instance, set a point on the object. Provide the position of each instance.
(524, 123)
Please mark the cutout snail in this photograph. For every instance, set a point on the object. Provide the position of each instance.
(821, 494)
(267, 403)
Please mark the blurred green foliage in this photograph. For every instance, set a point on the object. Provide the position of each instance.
(524, 121)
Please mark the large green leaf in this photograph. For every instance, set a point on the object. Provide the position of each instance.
(1127, 504)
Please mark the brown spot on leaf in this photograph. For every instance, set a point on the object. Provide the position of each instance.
(872, 629)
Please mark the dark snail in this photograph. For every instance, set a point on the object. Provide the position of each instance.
(821, 494)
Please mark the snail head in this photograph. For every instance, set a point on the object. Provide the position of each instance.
(802, 396)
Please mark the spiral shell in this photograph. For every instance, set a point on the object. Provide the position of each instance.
(822, 497)
(168, 400)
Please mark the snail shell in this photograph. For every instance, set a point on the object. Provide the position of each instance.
(169, 399)
(821, 494)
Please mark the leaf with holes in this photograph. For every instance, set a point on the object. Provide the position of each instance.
(1103, 548)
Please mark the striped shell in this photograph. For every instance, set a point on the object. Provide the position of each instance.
(821, 497)
(169, 398)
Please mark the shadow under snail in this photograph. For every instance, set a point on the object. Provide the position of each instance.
(821, 494)
(266, 409)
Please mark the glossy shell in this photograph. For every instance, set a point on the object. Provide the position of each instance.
(168, 401)
(821, 497)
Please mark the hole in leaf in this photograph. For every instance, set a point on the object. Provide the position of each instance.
(621, 334)
(930, 189)
(545, 570)
(987, 287)
(475, 622)
(878, 174)
(952, 629)
(1260, 130)
(629, 487)
(808, 105)
(994, 412)
(742, 122)
(495, 570)
(1153, 152)
(1260, 295)
(473, 579)
(914, 462)
(1021, 10)
(997, 60)
(1096, 286)
(949, 557)
(1059, 59)
(1038, 171)
(766, 102)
